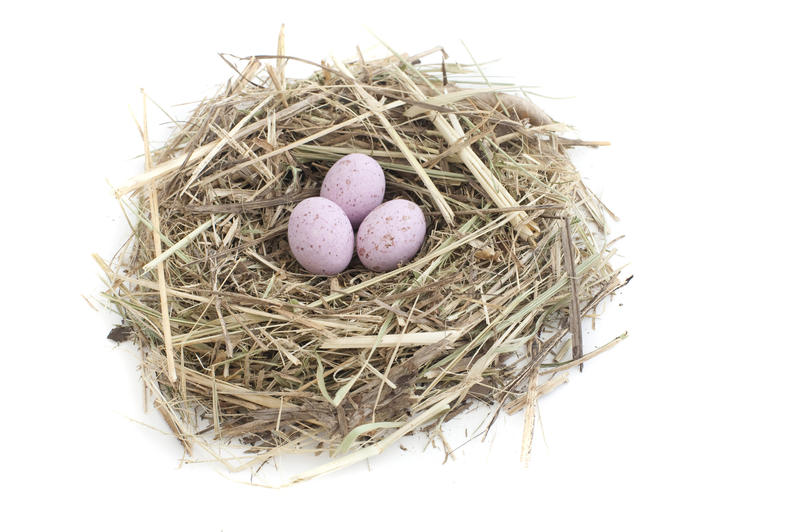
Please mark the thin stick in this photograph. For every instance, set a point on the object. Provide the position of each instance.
(156, 223)
(574, 308)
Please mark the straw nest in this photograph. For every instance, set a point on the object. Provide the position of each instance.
(240, 344)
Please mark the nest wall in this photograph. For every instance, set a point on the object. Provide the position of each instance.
(240, 343)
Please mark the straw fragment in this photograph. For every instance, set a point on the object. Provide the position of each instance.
(530, 415)
(391, 340)
(155, 223)
(574, 312)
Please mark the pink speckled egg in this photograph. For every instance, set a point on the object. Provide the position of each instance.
(320, 236)
(390, 235)
(356, 184)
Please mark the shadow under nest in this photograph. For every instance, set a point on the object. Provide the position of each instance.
(489, 310)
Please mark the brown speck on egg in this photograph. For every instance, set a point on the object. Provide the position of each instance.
(387, 240)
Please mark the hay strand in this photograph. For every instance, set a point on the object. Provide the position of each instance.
(155, 224)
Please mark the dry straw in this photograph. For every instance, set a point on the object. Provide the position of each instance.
(240, 344)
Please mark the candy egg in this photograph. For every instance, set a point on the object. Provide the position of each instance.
(390, 235)
(320, 236)
(356, 184)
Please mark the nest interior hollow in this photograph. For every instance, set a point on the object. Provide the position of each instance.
(264, 353)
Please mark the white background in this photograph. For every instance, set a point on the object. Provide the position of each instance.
(689, 424)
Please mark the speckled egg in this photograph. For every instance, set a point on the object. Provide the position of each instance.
(390, 235)
(356, 184)
(320, 236)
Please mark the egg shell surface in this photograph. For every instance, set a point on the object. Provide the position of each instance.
(390, 235)
(320, 236)
(356, 184)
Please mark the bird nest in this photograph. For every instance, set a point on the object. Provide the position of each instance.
(240, 344)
